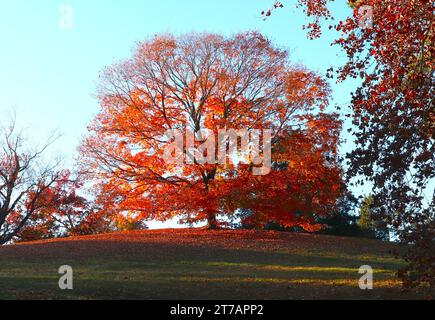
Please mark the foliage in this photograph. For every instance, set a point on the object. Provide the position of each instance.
(24, 181)
(65, 213)
(393, 113)
(129, 223)
(369, 225)
(62, 212)
(341, 220)
(207, 81)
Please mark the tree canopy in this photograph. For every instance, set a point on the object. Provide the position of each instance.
(199, 82)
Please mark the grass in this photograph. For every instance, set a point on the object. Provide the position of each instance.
(199, 264)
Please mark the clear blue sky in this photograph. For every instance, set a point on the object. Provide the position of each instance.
(48, 74)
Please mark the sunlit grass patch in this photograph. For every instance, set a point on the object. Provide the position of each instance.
(390, 283)
(310, 269)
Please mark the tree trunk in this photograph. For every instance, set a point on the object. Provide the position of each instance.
(212, 223)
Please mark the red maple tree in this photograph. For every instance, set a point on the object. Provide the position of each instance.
(389, 45)
(207, 81)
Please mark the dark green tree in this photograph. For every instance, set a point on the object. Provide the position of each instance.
(368, 224)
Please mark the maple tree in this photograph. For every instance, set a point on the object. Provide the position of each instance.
(393, 115)
(62, 212)
(38, 200)
(24, 179)
(207, 81)
(68, 209)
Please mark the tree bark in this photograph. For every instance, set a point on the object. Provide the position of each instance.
(212, 223)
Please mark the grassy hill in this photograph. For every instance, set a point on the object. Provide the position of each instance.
(199, 264)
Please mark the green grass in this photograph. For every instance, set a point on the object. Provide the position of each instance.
(196, 264)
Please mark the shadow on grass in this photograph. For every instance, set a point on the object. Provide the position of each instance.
(112, 270)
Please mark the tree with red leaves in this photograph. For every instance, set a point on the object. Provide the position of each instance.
(24, 180)
(60, 212)
(389, 45)
(201, 82)
(64, 212)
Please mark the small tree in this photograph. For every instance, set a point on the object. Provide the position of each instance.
(24, 178)
(63, 211)
(342, 219)
(370, 225)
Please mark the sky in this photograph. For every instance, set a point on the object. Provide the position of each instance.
(48, 72)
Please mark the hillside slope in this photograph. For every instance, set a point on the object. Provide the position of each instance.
(199, 264)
